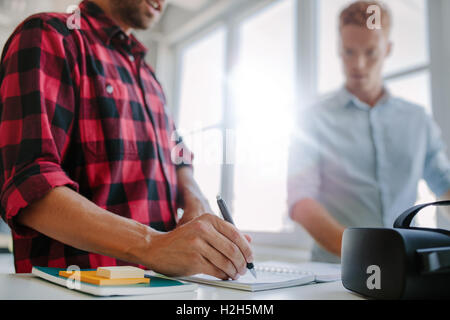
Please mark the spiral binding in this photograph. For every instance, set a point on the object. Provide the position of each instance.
(273, 269)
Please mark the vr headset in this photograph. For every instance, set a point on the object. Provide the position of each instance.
(399, 263)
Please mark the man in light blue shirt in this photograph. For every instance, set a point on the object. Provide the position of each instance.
(359, 155)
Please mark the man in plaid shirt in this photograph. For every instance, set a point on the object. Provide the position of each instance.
(88, 174)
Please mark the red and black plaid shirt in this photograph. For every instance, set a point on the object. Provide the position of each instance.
(80, 108)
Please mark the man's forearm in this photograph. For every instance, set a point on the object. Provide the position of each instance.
(320, 224)
(447, 196)
(206, 244)
(192, 199)
(66, 216)
(445, 210)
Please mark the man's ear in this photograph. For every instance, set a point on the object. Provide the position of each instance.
(389, 49)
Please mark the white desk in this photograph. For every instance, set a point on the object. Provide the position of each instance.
(28, 287)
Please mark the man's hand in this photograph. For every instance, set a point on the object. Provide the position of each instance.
(207, 245)
(320, 224)
(194, 208)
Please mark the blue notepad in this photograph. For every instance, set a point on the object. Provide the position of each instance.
(157, 284)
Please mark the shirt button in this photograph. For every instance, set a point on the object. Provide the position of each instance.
(109, 89)
(131, 57)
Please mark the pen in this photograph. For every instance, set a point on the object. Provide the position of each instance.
(227, 216)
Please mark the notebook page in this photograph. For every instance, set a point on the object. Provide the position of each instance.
(248, 279)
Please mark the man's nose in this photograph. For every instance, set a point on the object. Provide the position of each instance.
(360, 62)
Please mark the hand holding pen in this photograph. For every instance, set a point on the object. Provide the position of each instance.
(227, 217)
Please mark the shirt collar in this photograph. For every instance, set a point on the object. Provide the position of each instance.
(348, 99)
(107, 29)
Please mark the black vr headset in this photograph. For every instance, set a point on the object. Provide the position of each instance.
(399, 263)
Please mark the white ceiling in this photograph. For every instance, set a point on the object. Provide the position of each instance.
(191, 5)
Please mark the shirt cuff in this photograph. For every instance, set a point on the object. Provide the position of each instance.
(27, 187)
(300, 187)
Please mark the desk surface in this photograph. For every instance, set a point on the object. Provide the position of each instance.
(28, 287)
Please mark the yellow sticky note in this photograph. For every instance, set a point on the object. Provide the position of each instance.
(120, 272)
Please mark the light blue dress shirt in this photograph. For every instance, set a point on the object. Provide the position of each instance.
(364, 164)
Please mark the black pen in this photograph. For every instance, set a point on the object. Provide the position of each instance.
(227, 217)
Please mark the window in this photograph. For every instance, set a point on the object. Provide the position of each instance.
(414, 87)
(201, 107)
(264, 93)
(262, 84)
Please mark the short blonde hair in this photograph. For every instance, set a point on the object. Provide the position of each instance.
(356, 14)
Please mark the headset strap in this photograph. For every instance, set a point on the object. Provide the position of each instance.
(405, 219)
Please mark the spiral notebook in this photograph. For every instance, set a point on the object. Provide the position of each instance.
(275, 275)
(266, 280)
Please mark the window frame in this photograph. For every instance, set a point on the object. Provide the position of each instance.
(306, 49)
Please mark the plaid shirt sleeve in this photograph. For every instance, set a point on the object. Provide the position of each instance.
(37, 106)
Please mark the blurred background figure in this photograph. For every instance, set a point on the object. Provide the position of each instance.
(363, 151)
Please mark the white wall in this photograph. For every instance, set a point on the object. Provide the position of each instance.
(13, 12)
